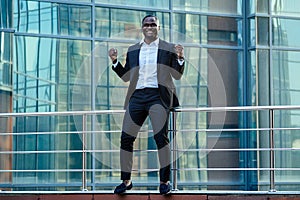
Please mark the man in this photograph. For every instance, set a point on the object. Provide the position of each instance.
(150, 67)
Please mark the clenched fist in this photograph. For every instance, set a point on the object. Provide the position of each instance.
(179, 51)
(113, 54)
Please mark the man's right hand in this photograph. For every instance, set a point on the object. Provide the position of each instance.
(113, 54)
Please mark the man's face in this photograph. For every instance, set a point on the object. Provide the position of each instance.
(150, 28)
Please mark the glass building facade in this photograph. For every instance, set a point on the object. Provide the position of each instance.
(54, 57)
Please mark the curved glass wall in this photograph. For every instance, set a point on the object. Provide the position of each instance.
(61, 64)
(274, 48)
(237, 53)
(6, 64)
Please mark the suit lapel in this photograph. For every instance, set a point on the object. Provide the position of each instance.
(135, 55)
(161, 47)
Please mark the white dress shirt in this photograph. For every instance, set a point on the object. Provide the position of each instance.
(148, 65)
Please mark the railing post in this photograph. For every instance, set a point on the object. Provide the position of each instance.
(174, 148)
(84, 129)
(272, 155)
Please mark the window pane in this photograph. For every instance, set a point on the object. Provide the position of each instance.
(263, 30)
(220, 6)
(53, 18)
(252, 32)
(286, 77)
(222, 30)
(190, 28)
(192, 88)
(6, 61)
(110, 91)
(286, 7)
(6, 14)
(263, 78)
(56, 71)
(149, 3)
(285, 33)
(258, 6)
(74, 20)
(251, 79)
(126, 24)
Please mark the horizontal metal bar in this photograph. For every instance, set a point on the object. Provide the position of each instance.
(150, 170)
(237, 169)
(147, 192)
(148, 151)
(66, 113)
(149, 131)
(241, 149)
(204, 109)
(237, 108)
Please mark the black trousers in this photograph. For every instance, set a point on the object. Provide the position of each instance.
(143, 103)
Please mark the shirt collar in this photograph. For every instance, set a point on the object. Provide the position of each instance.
(155, 42)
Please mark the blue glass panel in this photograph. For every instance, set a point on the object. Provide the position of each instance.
(6, 61)
(126, 24)
(138, 3)
(6, 13)
(258, 6)
(52, 18)
(285, 7)
(190, 28)
(285, 33)
(285, 77)
(218, 6)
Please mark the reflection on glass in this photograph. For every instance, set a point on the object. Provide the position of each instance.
(50, 77)
(52, 18)
(258, 6)
(220, 6)
(252, 32)
(263, 80)
(286, 7)
(206, 29)
(263, 31)
(286, 83)
(148, 4)
(286, 91)
(189, 28)
(285, 33)
(74, 20)
(55, 72)
(6, 53)
(251, 80)
(109, 88)
(222, 30)
(126, 24)
(6, 14)
(6, 61)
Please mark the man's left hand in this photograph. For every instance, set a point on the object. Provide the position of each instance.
(179, 51)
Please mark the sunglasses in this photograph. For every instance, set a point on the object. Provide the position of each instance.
(152, 25)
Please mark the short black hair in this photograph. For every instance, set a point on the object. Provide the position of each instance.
(149, 16)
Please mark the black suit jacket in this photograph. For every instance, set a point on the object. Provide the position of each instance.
(167, 69)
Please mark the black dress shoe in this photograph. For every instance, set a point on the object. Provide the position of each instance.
(120, 189)
(165, 189)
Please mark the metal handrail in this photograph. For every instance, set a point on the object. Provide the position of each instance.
(198, 109)
(174, 131)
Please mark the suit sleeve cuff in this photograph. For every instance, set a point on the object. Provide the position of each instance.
(180, 61)
(115, 64)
